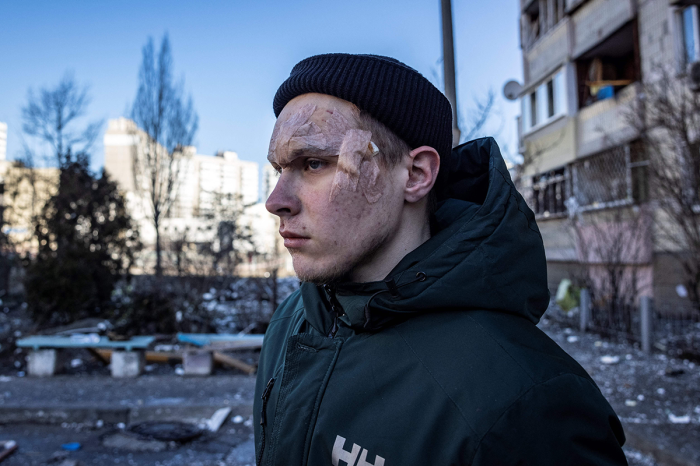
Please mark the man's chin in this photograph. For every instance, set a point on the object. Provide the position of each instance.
(310, 271)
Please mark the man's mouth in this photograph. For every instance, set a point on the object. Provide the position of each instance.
(293, 240)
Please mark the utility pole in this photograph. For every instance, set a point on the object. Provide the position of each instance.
(448, 62)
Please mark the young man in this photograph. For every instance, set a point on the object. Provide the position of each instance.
(412, 340)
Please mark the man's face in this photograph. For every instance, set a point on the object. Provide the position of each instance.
(337, 204)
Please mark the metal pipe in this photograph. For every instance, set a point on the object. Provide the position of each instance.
(448, 61)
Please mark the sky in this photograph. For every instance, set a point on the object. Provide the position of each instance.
(233, 55)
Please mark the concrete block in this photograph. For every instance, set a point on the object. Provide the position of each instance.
(197, 362)
(127, 363)
(42, 363)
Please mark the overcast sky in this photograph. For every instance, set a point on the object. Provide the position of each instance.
(234, 54)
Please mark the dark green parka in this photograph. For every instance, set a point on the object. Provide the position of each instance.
(440, 364)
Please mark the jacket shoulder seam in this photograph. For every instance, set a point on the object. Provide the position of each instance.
(495, 340)
(427, 369)
(519, 399)
(293, 314)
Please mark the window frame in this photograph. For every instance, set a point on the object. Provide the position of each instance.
(536, 105)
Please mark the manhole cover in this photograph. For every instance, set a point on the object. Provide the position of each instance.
(166, 431)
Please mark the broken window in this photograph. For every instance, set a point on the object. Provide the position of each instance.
(539, 17)
(690, 33)
(530, 24)
(610, 66)
(549, 193)
(617, 176)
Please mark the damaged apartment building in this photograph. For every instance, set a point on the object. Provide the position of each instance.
(583, 61)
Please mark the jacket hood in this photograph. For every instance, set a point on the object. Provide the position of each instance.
(485, 253)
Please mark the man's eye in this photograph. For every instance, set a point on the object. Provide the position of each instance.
(314, 164)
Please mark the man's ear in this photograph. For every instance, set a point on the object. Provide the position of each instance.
(423, 167)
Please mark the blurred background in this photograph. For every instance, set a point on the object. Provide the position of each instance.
(133, 174)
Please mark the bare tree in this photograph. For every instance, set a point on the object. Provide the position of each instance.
(52, 117)
(612, 245)
(218, 243)
(667, 117)
(53, 121)
(477, 117)
(170, 123)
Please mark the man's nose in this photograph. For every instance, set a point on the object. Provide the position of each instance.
(283, 200)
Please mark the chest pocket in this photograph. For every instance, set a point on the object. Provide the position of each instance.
(309, 362)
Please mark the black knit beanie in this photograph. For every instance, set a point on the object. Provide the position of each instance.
(390, 91)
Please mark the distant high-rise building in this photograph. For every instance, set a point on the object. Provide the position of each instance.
(3, 141)
(202, 178)
(206, 186)
(269, 180)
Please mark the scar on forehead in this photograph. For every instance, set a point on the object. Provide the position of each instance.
(300, 134)
(357, 165)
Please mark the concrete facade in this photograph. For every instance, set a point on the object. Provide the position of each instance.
(583, 61)
(3, 141)
(208, 187)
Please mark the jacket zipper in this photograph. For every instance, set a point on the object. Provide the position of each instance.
(263, 421)
(335, 308)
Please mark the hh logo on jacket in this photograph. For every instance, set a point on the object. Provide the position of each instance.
(349, 457)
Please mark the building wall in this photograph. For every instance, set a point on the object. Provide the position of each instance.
(207, 186)
(596, 20)
(3, 141)
(548, 53)
(572, 140)
(26, 190)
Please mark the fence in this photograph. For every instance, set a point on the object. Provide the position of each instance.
(675, 334)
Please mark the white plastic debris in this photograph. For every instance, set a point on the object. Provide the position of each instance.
(121, 425)
(99, 423)
(598, 344)
(76, 362)
(640, 397)
(572, 338)
(661, 391)
(607, 359)
(681, 291)
(628, 357)
(630, 403)
(5, 378)
(248, 422)
(237, 419)
(179, 371)
(679, 419)
(697, 409)
(214, 423)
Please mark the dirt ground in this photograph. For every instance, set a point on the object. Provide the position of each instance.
(656, 397)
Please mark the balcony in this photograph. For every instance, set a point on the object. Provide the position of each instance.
(547, 53)
(596, 20)
(604, 124)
